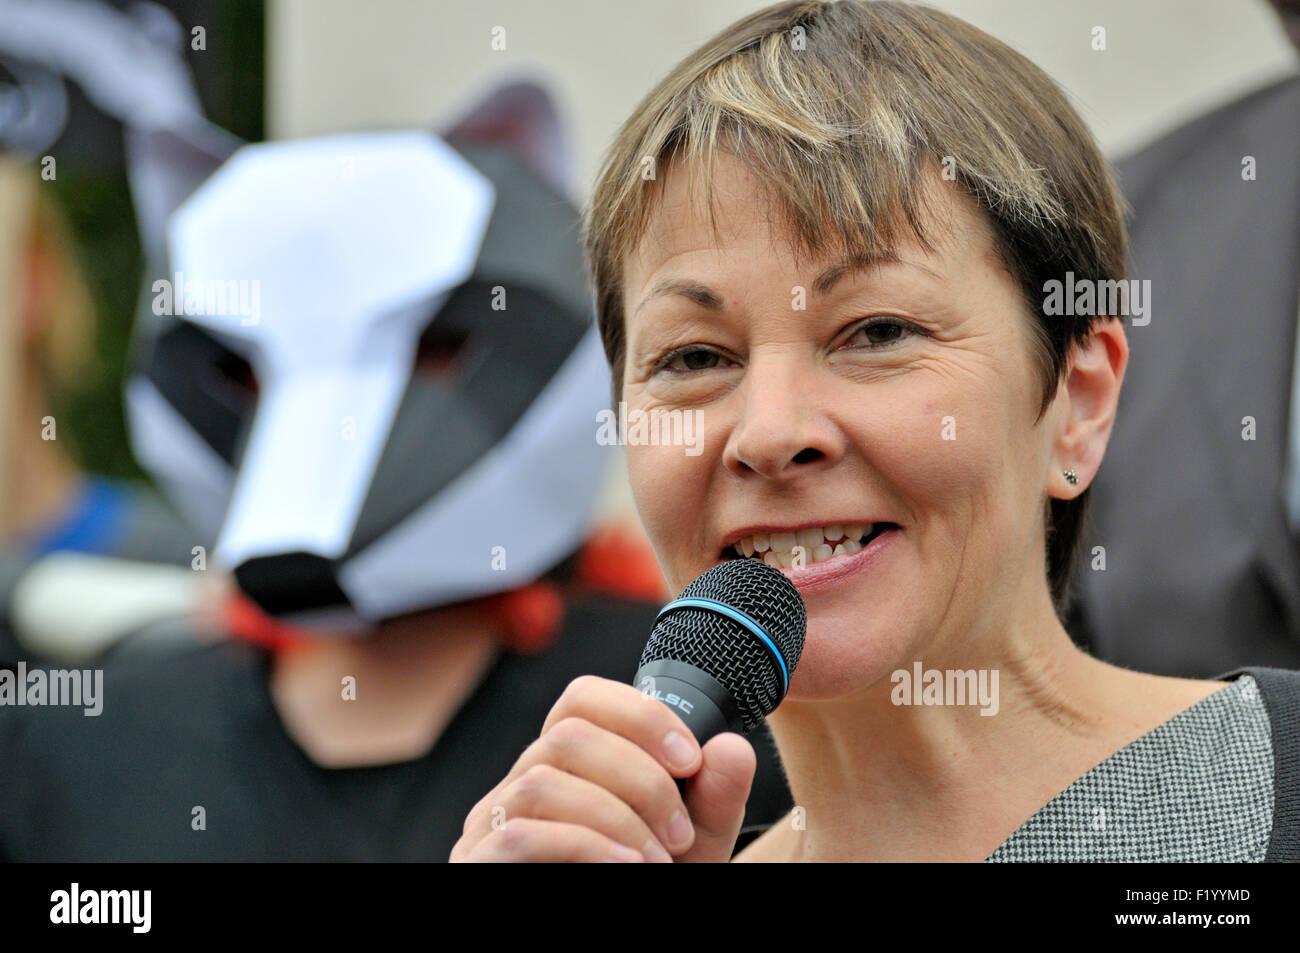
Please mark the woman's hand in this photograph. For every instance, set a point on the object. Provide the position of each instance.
(597, 785)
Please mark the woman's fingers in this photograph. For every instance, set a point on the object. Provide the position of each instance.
(583, 769)
(578, 747)
(605, 763)
(638, 717)
(546, 793)
(716, 798)
(524, 839)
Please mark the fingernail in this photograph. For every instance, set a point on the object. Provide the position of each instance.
(680, 751)
(679, 830)
(625, 855)
(656, 854)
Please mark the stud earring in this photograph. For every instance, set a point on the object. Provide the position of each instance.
(1070, 477)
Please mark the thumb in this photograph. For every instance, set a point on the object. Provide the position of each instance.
(715, 798)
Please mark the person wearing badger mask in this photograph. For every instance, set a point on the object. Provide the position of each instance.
(400, 478)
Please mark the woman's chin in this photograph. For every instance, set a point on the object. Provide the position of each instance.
(842, 658)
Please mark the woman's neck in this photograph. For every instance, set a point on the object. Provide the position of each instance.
(883, 781)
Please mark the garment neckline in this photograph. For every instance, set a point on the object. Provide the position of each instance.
(1118, 753)
(748, 835)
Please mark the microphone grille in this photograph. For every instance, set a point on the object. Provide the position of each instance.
(726, 648)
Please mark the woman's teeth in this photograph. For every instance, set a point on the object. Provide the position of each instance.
(816, 544)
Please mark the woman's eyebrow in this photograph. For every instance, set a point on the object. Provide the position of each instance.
(707, 298)
(701, 294)
(855, 263)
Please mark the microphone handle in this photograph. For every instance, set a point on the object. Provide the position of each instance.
(696, 697)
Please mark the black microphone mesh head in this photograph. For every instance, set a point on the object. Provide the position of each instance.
(723, 647)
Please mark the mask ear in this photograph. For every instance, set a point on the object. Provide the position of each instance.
(165, 167)
(519, 116)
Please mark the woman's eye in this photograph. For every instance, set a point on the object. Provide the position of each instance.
(687, 359)
(880, 333)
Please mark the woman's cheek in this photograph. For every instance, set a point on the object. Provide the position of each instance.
(953, 443)
(661, 487)
(649, 483)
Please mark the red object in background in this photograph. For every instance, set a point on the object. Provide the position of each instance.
(529, 616)
(613, 560)
(245, 620)
(620, 561)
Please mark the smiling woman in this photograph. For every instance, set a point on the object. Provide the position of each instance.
(845, 113)
(827, 232)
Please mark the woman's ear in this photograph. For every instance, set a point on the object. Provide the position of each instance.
(1091, 395)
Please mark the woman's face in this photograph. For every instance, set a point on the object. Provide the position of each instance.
(901, 394)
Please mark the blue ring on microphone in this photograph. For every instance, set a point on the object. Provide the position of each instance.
(746, 621)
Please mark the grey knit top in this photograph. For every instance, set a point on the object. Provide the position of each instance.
(1199, 787)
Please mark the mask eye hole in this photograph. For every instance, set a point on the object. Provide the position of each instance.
(237, 373)
(441, 350)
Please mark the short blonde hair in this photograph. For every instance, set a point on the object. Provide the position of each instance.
(843, 110)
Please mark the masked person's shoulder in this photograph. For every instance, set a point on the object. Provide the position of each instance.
(94, 750)
(602, 634)
(51, 705)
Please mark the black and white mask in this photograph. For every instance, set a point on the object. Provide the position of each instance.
(369, 366)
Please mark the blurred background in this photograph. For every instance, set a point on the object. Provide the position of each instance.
(332, 64)
(90, 190)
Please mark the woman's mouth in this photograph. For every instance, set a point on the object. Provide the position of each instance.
(814, 564)
(818, 558)
(806, 547)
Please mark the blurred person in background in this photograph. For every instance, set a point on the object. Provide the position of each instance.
(73, 75)
(1192, 566)
(389, 427)
(47, 325)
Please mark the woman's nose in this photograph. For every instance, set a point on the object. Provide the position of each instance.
(783, 430)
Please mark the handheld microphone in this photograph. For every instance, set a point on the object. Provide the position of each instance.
(722, 653)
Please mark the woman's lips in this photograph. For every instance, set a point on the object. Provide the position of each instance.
(816, 577)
